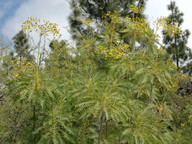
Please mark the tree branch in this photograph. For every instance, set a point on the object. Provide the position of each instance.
(149, 101)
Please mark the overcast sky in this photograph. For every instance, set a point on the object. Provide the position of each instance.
(14, 12)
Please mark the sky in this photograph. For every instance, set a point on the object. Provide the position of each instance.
(14, 12)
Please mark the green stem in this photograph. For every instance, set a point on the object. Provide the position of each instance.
(101, 127)
(106, 128)
(38, 54)
(34, 122)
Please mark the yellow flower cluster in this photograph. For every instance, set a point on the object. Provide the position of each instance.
(169, 28)
(125, 45)
(136, 9)
(16, 75)
(46, 28)
(21, 66)
(138, 25)
(114, 52)
(87, 21)
(114, 17)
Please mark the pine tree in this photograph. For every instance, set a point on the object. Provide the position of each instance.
(60, 57)
(95, 11)
(21, 46)
(98, 9)
(5, 58)
(177, 47)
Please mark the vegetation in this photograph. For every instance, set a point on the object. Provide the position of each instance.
(105, 90)
(176, 46)
(96, 10)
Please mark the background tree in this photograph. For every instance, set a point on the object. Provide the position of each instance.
(98, 9)
(177, 47)
(93, 11)
(6, 55)
(22, 47)
(60, 58)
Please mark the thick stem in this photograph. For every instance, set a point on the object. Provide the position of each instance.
(176, 52)
(175, 41)
(34, 122)
(106, 129)
(38, 54)
(101, 127)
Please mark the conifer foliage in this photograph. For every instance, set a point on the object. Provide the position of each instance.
(176, 46)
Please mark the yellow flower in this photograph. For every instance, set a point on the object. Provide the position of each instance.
(182, 124)
(28, 63)
(16, 75)
(24, 28)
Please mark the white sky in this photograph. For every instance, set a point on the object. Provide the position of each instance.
(58, 11)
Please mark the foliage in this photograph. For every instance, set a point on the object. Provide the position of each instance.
(104, 90)
(176, 46)
(96, 10)
(21, 46)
